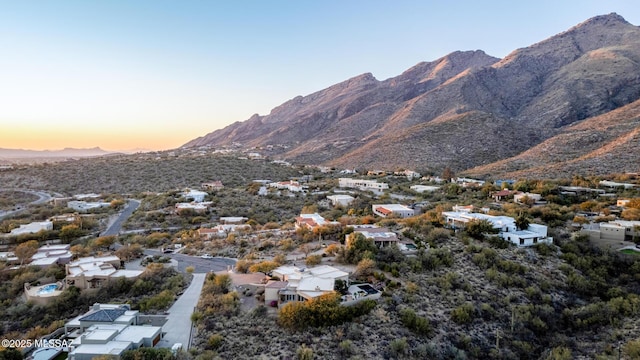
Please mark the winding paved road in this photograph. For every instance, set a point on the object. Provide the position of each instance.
(43, 197)
(114, 229)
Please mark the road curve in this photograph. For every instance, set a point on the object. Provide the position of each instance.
(114, 229)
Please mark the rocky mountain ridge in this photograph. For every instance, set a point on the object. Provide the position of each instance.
(467, 110)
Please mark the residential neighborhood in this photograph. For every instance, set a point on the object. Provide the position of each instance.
(353, 238)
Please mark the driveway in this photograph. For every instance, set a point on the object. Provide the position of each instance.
(178, 325)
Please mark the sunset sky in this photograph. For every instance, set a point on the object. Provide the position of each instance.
(155, 74)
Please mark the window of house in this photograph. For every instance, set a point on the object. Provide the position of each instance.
(521, 241)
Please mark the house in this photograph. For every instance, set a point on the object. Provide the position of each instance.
(579, 190)
(222, 230)
(613, 184)
(48, 255)
(341, 200)
(311, 221)
(505, 225)
(93, 272)
(376, 173)
(213, 185)
(233, 220)
(467, 182)
(423, 188)
(363, 185)
(410, 174)
(617, 230)
(397, 210)
(522, 197)
(197, 207)
(83, 206)
(109, 329)
(195, 195)
(509, 182)
(69, 218)
(358, 292)
(290, 185)
(502, 194)
(33, 228)
(382, 237)
(305, 283)
(622, 202)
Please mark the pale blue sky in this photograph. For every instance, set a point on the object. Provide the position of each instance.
(156, 74)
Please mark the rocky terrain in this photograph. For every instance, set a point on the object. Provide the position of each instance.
(470, 110)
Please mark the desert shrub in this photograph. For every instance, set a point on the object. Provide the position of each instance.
(345, 348)
(263, 267)
(398, 347)
(214, 341)
(435, 258)
(242, 266)
(560, 353)
(322, 311)
(148, 353)
(463, 314)
(304, 353)
(312, 260)
(632, 349)
(418, 324)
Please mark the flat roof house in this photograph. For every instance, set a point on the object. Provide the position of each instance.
(381, 237)
(506, 226)
(386, 210)
(306, 283)
(109, 329)
(92, 272)
(340, 200)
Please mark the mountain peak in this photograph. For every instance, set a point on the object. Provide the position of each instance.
(462, 110)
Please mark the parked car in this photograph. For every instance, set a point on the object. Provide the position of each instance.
(206, 256)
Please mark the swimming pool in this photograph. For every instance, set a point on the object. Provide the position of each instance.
(48, 289)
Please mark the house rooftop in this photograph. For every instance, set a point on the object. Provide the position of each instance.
(104, 315)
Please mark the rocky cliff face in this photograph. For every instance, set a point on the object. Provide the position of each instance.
(465, 110)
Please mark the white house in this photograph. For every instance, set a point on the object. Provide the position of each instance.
(364, 185)
(83, 206)
(340, 200)
(506, 226)
(311, 221)
(467, 182)
(614, 184)
(398, 210)
(195, 195)
(109, 329)
(198, 207)
(381, 237)
(33, 227)
(519, 197)
(93, 272)
(290, 185)
(306, 283)
(212, 185)
(52, 254)
(222, 230)
(423, 188)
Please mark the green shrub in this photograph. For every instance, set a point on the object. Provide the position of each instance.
(463, 314)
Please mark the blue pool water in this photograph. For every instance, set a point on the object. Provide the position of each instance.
(48, 289)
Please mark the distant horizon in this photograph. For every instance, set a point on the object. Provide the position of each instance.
(148, 75)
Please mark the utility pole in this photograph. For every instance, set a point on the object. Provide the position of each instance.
(498, 340)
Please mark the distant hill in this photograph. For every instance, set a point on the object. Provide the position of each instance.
(469, 110)
(64, 153)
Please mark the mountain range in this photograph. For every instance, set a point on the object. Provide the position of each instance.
(64, 153)
(567, 105)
